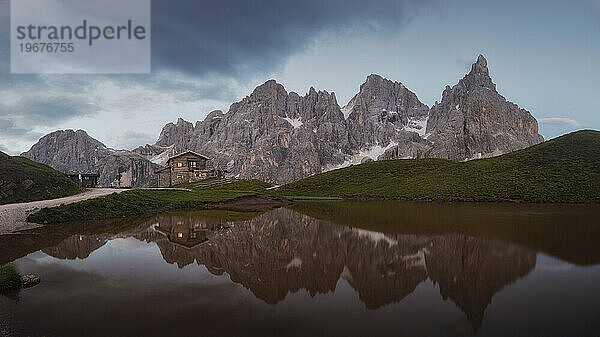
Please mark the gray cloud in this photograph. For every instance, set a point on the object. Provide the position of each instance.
(4, 37)
(213, 46)
(32, 101)
(9, 128)
(33, 105)
(559, 121)
(131, 139)
(48, 110)
(10, 134)
(240, 37)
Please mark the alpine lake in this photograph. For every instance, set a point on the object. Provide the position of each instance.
(316, 268)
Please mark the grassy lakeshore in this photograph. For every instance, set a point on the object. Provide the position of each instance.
(140, 202)
(562, 170)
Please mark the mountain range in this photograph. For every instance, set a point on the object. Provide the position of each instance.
(279, 136)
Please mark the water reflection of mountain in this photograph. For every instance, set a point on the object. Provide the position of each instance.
(76, 246)
(566, 231)
(283, 251)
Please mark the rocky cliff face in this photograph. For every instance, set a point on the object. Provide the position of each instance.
(68, 150)
(271, 135)
(280, 137)
(384, 113)
(474, 120)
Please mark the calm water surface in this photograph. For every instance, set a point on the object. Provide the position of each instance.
(318, 269)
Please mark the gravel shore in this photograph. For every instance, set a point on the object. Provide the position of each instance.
(13, 216)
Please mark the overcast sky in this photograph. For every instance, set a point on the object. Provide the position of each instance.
(208, 54)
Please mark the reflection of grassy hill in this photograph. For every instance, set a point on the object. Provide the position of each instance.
(568, 232)
(23, 180)
(565, 169)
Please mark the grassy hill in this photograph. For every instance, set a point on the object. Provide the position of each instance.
(564, 169)
(23, 180)
(140, 202)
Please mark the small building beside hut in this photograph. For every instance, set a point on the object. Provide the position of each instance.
(186, 167)
(84, 179)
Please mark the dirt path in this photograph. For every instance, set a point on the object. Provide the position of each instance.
(13, 216)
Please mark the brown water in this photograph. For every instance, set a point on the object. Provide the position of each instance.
(319, 269)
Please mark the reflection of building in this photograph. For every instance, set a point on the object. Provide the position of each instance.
(186, 231)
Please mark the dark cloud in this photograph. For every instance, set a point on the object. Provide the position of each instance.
(4, 37)
(209, 47)
(10, 129)
(239, 37)
(131, 139)
(46, 110)
(187, 88)
(50, 111)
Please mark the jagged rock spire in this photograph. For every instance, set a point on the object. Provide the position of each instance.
(479, 75)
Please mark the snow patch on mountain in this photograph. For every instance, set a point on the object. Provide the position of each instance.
(376, 151)
(347, 110)
(161, 158)
(372, 153)
(418, 125)
(295, 122)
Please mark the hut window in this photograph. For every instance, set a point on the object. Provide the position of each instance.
(180, 164)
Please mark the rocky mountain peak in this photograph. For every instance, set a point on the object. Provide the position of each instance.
(473, 120)
(171, 133)
(56, 140)
(379, 95)
(374, 80)
(68, 150)
(269, 89)
(481, 63)
(215, 114)
(479, 76)
(279, 137)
